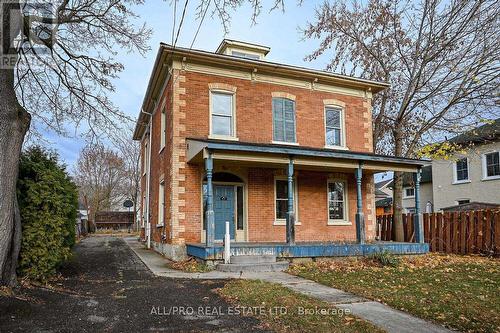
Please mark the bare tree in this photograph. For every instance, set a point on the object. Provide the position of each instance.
(440, 57)
(56, 65)
(130, 153)
(100, 176)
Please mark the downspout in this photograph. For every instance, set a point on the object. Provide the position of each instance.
(148, 182)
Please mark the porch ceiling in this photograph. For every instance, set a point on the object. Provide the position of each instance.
(274, 155)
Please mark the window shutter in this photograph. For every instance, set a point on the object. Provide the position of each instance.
(278, 126)
(289, 110)
(283, 120)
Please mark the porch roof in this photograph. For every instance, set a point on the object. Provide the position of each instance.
(279, 154)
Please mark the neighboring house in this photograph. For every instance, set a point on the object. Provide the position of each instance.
(383, 197)
(384, 204)
(282, 153)
(472, 176)
(426, 193)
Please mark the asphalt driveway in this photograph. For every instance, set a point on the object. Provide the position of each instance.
(106, 288)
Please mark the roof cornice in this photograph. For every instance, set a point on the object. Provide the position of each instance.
(167, 53)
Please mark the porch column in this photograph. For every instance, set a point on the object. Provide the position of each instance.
(209, 215)
(417, 218)
(290, 216)
(360, 218)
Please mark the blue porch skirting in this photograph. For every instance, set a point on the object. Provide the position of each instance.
(305, 250)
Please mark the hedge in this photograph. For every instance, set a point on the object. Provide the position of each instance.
(48, 203)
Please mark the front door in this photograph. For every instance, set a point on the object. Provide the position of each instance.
(223, 210)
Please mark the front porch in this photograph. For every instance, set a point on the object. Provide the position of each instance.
(322, 207)
(304, 249)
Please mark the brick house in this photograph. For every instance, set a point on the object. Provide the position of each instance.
(284, 153)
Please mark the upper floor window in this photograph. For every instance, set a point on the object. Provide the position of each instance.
(409, 192)
(283, 120)
(491, 165)
(334, 127)
(163, 131)
(461, 170)
(222, 120)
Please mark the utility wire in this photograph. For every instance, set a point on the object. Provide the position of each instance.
(199, 25)
(173, 25)
(180, 23)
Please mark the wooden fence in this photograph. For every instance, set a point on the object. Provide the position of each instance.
(451, 232)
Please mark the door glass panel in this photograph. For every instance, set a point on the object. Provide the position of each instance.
(239, 207)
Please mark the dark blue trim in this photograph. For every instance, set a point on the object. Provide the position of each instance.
(282, 250)
(305, 151)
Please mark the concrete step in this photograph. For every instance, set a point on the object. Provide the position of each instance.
(253, 259)
(250, 268)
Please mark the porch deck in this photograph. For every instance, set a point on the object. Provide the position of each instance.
(305, 249)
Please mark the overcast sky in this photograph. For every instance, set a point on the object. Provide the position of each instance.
(278, 30)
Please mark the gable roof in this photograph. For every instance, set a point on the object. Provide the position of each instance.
(382, 183)
(489, 132)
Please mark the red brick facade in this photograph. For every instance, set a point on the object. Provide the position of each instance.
(186, 102)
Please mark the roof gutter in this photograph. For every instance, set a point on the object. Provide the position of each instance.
(271, 66)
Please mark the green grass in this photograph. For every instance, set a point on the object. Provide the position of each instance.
(272, 300)
(461, 292)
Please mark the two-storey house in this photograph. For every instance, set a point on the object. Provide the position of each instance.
(282, 153)
(470, 179)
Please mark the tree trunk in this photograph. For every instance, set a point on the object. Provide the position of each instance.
(14, 122)
(397, 191)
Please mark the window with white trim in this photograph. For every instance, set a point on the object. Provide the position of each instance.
(462, 170)
(283, 120)
(491, 165)
(222, 114)
(281, 200)
(337, 202)
(161, 204)
(409, 192)
(334, 131)
(163, 131)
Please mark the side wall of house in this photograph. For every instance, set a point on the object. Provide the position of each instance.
(447, 193)
(165, 163)
(426, 196)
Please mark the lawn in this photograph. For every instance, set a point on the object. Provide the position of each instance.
(461, 292)
(283, 310)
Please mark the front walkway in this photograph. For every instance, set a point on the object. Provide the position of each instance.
(379, 314)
